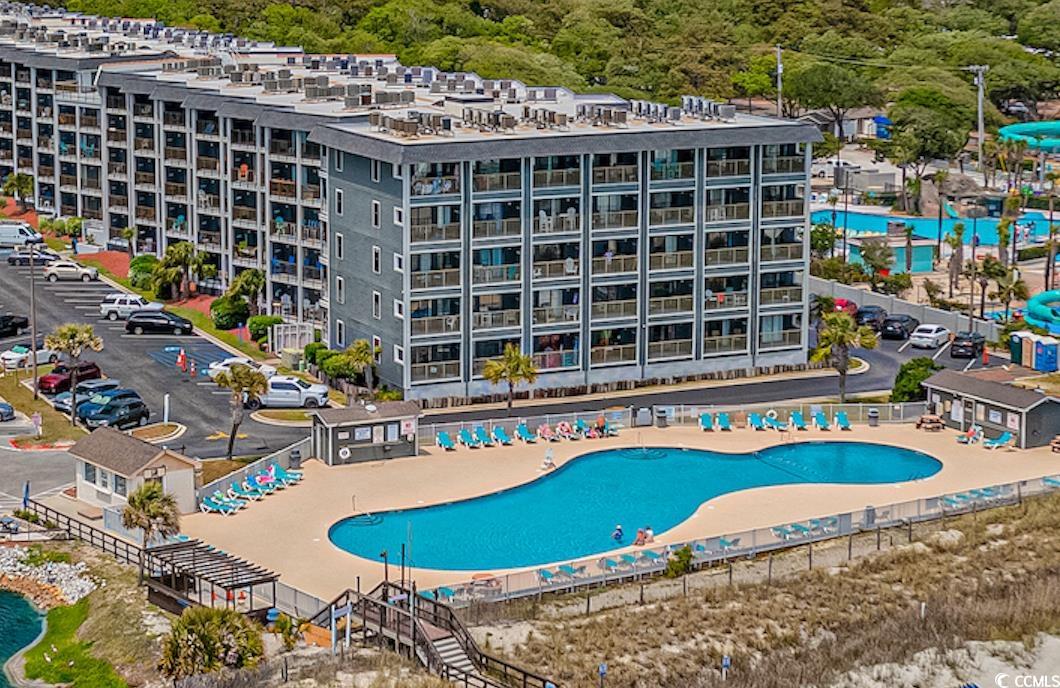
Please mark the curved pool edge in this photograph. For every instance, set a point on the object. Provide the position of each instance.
(15, 667)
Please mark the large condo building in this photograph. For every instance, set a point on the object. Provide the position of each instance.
(440, 216)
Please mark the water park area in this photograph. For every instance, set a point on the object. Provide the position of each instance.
(1033, 226)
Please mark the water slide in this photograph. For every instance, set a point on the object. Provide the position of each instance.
(951, 212)
(1039, 136)
(1043, 310)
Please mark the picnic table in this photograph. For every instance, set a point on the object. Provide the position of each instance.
(930, 422)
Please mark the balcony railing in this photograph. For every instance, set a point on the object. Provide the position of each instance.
(247, 254)
(784, 164)
(312, 272)
(722, 212)
(728, 168)
(145, 213)
(67, 180)
(25, 163)
(434, 232)
(770, 340)
(790, 208)
(554, 314)
(544, 179)
(614, 309)
(116, 135)
(776, 295)
(616, 353)
(42, 171)
(725, 299)
(89, 122)
(551, 360)
(91, 183)
(67, 119)
(500, 181)
(117, 201)
(556, 268)
(435, 324)
(726, 256)
(144, 177)
(434, 186)
(557, 223)
(210, 239)
(176, 189)
(617, 174)
(112, 103)
(283, 187)
(242, 212)
(782, 252)
(142, 143)
(310, 193)
(671, 348)
(501, 227)
(173, 119)
(285, 230)
(142, 110)
(603, 266)
(206, 163)
(724, 344)
(676, 260)
(207, 127)
(68, 210)
(208, 201)
(486, 274)
(313, 236)
(662, 305)
(673, 171)
(243, 138)
(243, 175)
(496, 319)
(441, 370)
(435, 278)
(281, 147)
(176, 153)
(616, 219)
(672, 216)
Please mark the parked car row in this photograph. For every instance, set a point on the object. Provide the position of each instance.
(926, 336)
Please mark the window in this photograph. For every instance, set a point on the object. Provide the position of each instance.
(377, 348)
(377, 305)
(375, 170)
(340, 334)
(120, 486)
(395, 171)
(377, 260)
(104, 480)
(339, 246)
(399, 309)
(376, 214)
(338, 161)
(399, 217)
(340, 290)
(89, 473)
(399, 355)
(399, 263)
(338, 201)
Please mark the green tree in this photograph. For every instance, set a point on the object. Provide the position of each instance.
(20, 186)
(129, 234)
(1009, 287)
(758, 80)
(925, 135)
(248, 284)
(836, 338)
(907, 383)
(834, 88)
(822, 239)
(245, 386)
(151, 510)
(956, 243)
(361, 357)
(206, 639)
(179, 264)
(511, 368)
(290, 630)
(820, 306)
(73, 339)
(878, 257)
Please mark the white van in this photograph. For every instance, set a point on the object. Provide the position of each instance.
(18, 234)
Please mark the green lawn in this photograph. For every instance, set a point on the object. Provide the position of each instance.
(56, 426)
(71, 663)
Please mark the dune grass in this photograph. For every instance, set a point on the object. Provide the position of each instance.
(70, 662)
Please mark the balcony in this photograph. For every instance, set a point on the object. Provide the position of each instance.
(617, 353)
(144, 213)
(205, 163)
(284, 188)
(43, 171)
(773, 252)
(488, 274)
(117, 135)
(283, 148)
(434, 232)
(207, 129)
(173, 119)
(25, 164)
(435, 186)
(311, 193)
(91, 184)
(491, 320)
(313, 236)
(780, 295)
(142, 143)
(243, 176)
(286, 231)
(211, 241)
(556, 314)
(773, 340)
(432, 279)
(673, 171)
(243, 138)
(24, 135)
(437, 324)
(208, 201)
(89, 122)
(725, 299)
(614, 264)
(67, 180)
(143, 110)
(68, 210)
(672, 348)
(312, 273)
(616, 219)
(795, 207)
(44, 143)
(181, 230)
(501, 227)
(724, 344)
(728, 168)
(176, 189)
(244, 214)
(92, 213)
(247, 256)
(618, 174)
(67, 119)
(557, 223)
(500, 181)
(672, 216)
(442, 370)
(556, 268)
(175, 154)
(564, 358)
(676, 260)
(544, 179)
(145, 178)
(614, 309)
(724, 212)
(785, 164)
(726, 256)
(118, 202)
(113, 103)
(665, 305)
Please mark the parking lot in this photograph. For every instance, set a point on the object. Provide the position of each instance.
(146, 363)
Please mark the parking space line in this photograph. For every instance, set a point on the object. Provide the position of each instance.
(905, 346)
(970, 364)
(939, 352)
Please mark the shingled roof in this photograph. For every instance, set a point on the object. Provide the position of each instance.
(998, 393)
(358, 413)
(118, 452)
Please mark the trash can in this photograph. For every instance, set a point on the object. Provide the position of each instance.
(642, 418)
(874, 417)
(296, 459)
(662, 418)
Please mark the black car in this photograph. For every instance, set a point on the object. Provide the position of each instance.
(898, 326)
(120, 413)
(41, 256)
(967, 345)
(873, 316)
(13, 324)
(143, 322)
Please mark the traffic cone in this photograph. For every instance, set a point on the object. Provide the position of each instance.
(986, 357)
(192, 371)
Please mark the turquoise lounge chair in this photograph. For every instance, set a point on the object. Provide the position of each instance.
(445, 441)
(775, 423)
(501, 435)
(445, 593)
(524, 433)
(290, 477)
(797, 421)
(467, 440)
(1051, 482)
(237, 491)
(821, 421)
(546, 576)
(841, 420)
(653, 557)
(706, 421)
(572, 572)
(781, 532)
(756, 421)
(729, 544)
(607, 565)
(799, 528)
(427, 594)
(251, 484)
(610, 429)
(483, 437)
(222, 498)
(582, 427)
(723, 422)
(209, 506)
(629, 559)
(1001, 441)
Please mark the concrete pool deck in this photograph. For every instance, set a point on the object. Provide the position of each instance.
(288, 531)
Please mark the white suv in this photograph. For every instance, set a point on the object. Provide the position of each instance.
(119, 305)
(288, 391)
(69, 270)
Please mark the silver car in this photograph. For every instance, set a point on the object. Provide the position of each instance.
(119, 306)
(929, 336)
(69, 270)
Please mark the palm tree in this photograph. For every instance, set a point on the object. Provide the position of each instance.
(129, 234)
(1009, 287)
(511, 368)
(821, 305)
(361, 357)
(839, 335)
(248, 284)
(73, 340)
(833, 199)
(877, 255)
(206, 639)
(1004, 234)
(19, 185)
(153, 511)
(246, 386)
(940, 184)
(180, 262)
(956, 244)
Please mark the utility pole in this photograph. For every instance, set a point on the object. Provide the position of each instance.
(980, 82)
(33, 317)
(780, 83)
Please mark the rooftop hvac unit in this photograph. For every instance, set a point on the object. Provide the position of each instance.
(673, 114)
(407, 97)
(727, 112)
(391, 79)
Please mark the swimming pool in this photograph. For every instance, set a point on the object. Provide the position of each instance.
(986, 227)
(571, 512)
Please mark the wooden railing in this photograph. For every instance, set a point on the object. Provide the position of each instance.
(123, 551)
(671, 261)
(616, 174)
(565, 177)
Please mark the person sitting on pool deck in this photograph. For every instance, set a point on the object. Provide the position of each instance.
(548, 464)
(640, 539)
(649, 534)
(617, 535)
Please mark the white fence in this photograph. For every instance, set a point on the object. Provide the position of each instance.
(856, 413)
(290, 336)
(428, 432)
(955, 322)
(281, 457)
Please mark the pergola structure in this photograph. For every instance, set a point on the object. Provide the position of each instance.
(190, 572)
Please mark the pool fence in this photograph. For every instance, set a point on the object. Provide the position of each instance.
(300, 449)
(428, 432)
(689, 414)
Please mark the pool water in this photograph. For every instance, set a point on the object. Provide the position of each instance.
(19, 626)
(985, 227)
(571, 512)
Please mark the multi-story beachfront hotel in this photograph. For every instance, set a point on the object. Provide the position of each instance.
(438, 215)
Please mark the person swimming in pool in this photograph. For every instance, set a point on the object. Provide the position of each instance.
(617, 535)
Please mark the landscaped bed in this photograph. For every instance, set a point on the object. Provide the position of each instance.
(212, 469)
(286, 415)
(157, 431)
(56, 427)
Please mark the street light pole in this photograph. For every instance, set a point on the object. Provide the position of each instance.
(33, 316)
